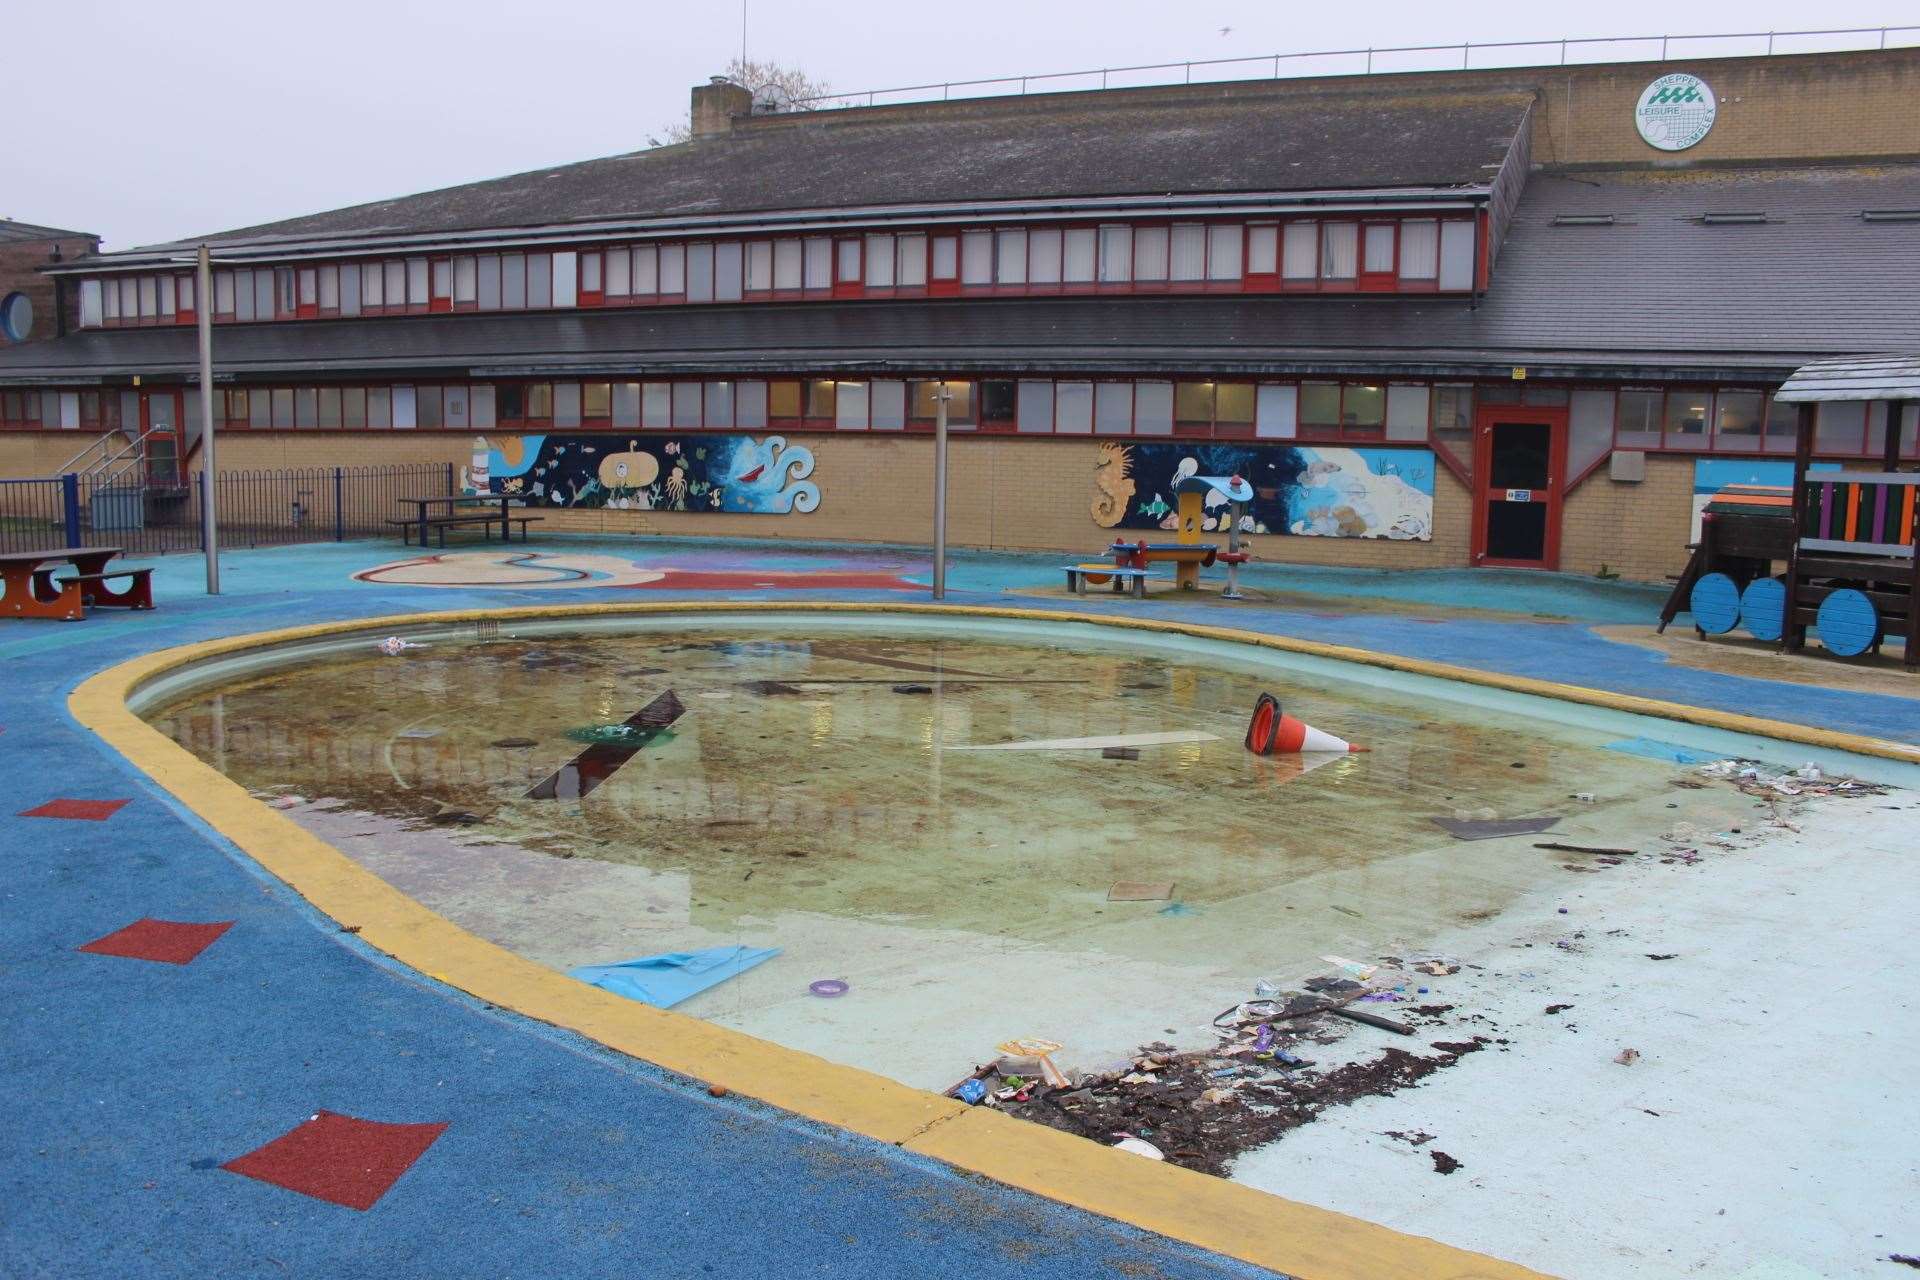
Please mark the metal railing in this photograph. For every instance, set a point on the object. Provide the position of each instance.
(153, 512)
(1398, 58)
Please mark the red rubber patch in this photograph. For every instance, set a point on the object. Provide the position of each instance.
(339, 1159)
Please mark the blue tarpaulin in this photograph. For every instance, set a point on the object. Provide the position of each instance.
(666, 980)
(1655, 750)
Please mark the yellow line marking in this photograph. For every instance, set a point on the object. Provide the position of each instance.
(1211, 1213)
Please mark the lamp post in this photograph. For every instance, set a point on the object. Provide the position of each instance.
(209, 524)
(941, 397)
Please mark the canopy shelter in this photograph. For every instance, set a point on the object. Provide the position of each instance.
(1855, 530)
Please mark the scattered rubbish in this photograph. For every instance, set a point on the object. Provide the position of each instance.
(1627, 1057)
(1352, 967)
(1438, 966)
(1904, 1259)
(1177, 909)
(1043, 1051)
(349, 928)
(1518, 764)
(1120, 753)
(285, 802)
(514, 742)
(1671, 955)
(1493, 828)
(1563, 911)
(1584, 797)
(393, 646)
(665, 980)
(418, 734)
(1558, 1008)
(913, 688)
(586, 771)
(971, 1092)
(1272, 731)
(1418, 1138)
(1138, 891)
(1346, 911)
(1444, 1163)
(1608, 850)
(1096, 744)
(1653, 749)
(828, 988)
(717, 1090)
(1140, 1148)
(1371, 1019)
(450, 815)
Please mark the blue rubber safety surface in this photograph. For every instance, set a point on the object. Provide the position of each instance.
(129, 1083)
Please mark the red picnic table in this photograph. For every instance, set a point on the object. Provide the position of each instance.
(31, 590)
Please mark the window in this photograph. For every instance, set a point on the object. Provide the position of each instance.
(90, 303)
(846, 262)
(566, 279)
(1736, 420)
(1150, 253)
(673, 269)
(281, 401)
(1456, 255)
(728, 267)
(819, 263)
(699, 272)
(880, 262)
(1223, 253)
(1363, 409)
(403, 409)
(350, 288)
(1377, 250)
(590, 274)
(750, 404)
(996, 403)
(1783, 426)
(945, 260)
(1073, 408)
(619, 279)
(1686, 417)
(1043, 255)
(1035, 412)
(1113, 408)
(442, 269)
(166, 295)
(539, 281)
(1276, 410)
(1263, 249)
(1637, 418)
(329, 407)
(1453, 423)
(306, 408)
(1082, 250)
(1116, 254)
(1193, 406)
(923, 399)
(1319, 404)
(646, 270)
(786, 264)
(149, 303)
(1419, 249)
(625, 409)
(1339, 250)
(416, 282)
(760, 266)
(656, 405)
(539, 402)
(1841, 427)
(820, 401)
(596, 401)
(719, 404)
(566, 404)
(429, 407)
(329, 291)
(1233, 408)
(783, 401)
(912, 273)
(1189, 252)
(466, 282)
(1153, 408)
(1012, 266)
(395, 283)
(850, 406)
(222, 293)
(976, 258)
(1407, 413)
(888, 405)
(513, 281)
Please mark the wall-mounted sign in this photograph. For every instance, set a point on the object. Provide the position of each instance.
(1675, 112)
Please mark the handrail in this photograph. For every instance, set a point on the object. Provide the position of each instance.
(67, 466)
(833, 101)
(135, 444)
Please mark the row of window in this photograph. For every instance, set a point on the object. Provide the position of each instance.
(1680, 419)
(1310, 255)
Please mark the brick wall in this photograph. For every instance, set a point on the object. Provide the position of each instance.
(1638, 530)
(19, 263)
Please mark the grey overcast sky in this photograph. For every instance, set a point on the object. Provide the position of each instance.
(147, 120)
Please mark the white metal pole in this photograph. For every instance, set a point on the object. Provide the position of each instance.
(940, 491)
(209, 524)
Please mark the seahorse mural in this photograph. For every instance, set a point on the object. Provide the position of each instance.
(1113, 478)
(765, 476)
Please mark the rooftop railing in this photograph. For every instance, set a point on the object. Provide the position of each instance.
(1492, 54)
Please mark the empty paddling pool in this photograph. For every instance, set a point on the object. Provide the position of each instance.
(898, 840)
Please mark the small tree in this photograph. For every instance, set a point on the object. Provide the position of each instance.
(753, 75)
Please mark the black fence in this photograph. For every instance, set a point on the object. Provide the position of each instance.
(252, 508)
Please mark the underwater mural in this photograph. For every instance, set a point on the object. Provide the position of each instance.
(741, 474)
(1309, 490)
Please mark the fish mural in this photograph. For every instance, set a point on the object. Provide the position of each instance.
(1302, 490)
(740, 474)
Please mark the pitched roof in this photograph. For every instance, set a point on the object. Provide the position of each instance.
(1656, 293)
(1255, 136)
(1855, 378)
(11, 231)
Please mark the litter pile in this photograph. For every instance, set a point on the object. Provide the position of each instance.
(1755, 779)
(1202, 1108)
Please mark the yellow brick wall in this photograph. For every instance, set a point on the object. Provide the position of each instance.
(1638, 530)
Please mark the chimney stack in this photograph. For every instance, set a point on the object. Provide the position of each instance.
(716, 103)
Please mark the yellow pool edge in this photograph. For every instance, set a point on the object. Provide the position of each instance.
(1223, 1217)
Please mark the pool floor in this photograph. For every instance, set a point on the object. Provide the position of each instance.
(822, 792)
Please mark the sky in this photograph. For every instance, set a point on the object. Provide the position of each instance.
(153, 120)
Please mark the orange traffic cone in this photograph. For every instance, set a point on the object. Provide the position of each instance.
(1274, 732)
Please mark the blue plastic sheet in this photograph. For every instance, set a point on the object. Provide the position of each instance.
(1655, 750)
(666, 980)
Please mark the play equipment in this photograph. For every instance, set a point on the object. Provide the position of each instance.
(1272, 731)
(1744, 529)
(1186, 552)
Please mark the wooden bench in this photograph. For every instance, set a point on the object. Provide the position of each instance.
(137, 594)
(1078, 575)
(440, 525)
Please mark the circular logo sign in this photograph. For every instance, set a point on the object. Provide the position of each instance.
(16, 317)
(1675, 112)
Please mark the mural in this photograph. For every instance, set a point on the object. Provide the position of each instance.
(658, 473)
(1311, 491)
(1767, 481)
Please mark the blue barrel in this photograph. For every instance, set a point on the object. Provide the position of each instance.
(1847, 622)
(1763, 608)
(1715, 604)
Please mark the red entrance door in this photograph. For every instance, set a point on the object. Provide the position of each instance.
(1519, 457)
(165, 438)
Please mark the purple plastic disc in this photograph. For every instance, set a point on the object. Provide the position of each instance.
(828, 987)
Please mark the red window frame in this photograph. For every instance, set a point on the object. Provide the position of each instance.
(439, 271)
(583, 296)
(1261, 281)
(1377, 281)
(843, 286)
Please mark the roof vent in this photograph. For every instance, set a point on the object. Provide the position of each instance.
(1891, 215)
(1732, 219)
(1582, 219)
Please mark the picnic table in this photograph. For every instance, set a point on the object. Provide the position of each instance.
(31, 591)
(453, 502)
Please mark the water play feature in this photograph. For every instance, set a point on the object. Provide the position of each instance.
(931, 815)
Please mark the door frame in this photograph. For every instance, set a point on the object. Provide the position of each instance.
(1488, 416)
(178, 434)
